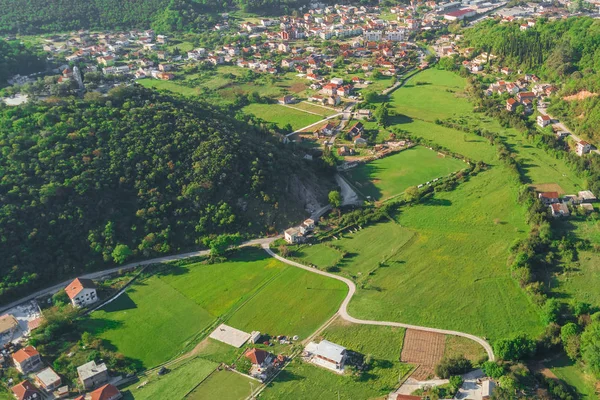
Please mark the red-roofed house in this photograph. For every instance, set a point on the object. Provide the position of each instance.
(106, 392)
(26, 391)
(543, 120)
(511, 104)
(583, 147)
(27, 360)
(548, 197)
(82, 292)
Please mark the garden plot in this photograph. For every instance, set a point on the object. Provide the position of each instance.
(425, 349)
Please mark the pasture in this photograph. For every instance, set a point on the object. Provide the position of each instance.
(164, 315)
(302, 380)
(572, 374)
(281, 115)
(223, 385)
(453, 274)
(392, 175)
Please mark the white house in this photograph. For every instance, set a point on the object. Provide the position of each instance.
(292, 235)
(82, 292)
(583, 147)
(327, 354)
(543, 120)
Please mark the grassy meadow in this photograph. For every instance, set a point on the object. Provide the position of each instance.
(282, 115)
(162, 316)
(223, 385)
(572, 374)
(390, 176)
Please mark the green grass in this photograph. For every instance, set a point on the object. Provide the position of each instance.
(161, 317)
(390, 176)
(223, 385)
(173, 385)
(323, 111)
(572, 374)
(453, 274)
(295, 303)
(364, 249)
(172, 86)
(282, 115)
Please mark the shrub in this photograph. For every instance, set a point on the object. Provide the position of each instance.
(518, 347)
(453, 366)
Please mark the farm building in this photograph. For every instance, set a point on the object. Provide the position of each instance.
(586, 196)
(327, 354)
(82, 292)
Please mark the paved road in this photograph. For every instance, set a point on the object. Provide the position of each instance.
(343, 310)
(96, 275)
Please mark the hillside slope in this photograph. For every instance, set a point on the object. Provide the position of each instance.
(83, 183)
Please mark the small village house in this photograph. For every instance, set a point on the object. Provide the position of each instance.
(327, 354)
(82, 292)
(47, 379)
(92, 375)
(106, 392)
(583, 147)
(586, 196)
(543, 121)
(292, 235)
(8, 324)
(307, 226)
(288, 99)
(548, 197)
(511, 104)
(356, 129)
(26, 391)
(487, 389)
(27, 360)
(559, 210)
(261, 361)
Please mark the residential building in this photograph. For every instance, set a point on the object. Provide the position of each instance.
(106, 392)
(543, 121)
(82, 292)
(525, 95)
(8, 324)
(487, 389)
(26, 391)
(548, 197)
(47, 379)
(327, 354)
(559, 210)
(286, 99)
(511, 104)
(292, 235)
(356, 129)
(91, 375)
(27, 360)
(259, 358)
(586, 196)
(583, 147)
(307, 226)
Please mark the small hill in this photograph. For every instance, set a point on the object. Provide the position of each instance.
(138, 173)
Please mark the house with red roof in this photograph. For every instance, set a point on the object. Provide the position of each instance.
(106, 392)
(548, 197)
(82, 292)
(26, 391)
(27, 360)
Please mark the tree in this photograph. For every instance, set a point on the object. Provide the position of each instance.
(551, 311)
(283, 250)
(453, 366)
(335, 198)
(369, 96)
(60, 298)
(219, 245)
(518, 347)
(493, 369)
(121, 253)
(412, 194)
(590, 347)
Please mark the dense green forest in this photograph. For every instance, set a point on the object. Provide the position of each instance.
(85, 183)
(563, 51)
(16, 58)
(37, 16)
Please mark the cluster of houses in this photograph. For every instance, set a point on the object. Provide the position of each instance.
(299, 234)
(559, 206)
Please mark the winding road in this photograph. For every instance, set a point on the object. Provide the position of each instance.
(343, 310)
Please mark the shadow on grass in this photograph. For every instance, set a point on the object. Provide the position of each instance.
(123, 302)
(432, 201)
(287, 376)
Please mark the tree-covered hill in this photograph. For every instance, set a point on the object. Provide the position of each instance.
(16, 58)
(85, 183)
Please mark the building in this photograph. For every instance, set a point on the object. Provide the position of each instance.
(583, 147)
(307, 226)
(91, 375)
(106, 392)
(259, 358)
(8, 324)
(27, 360)
(26, 391)
(292, 235)
(286, 99)
(559, 210)
(459, 15)
(548, 197)
(543, 121)
(82, 292)
(487, 389)
(356, 129)
(586, 196)
(511, 104)
(327, 354)
(47, 379)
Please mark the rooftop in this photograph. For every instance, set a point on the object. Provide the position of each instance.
(90, 369)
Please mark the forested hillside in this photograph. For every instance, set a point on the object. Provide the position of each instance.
(15, 58)
(84, 184)
(564, 51)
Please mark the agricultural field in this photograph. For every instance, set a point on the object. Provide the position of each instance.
(355, 254)
(223, 385)
(302, 380)
(180, 380)
(390, 176)
(164, 315)
(453, 275)
(282, 115)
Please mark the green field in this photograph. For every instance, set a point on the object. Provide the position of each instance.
(301, 380)
(223, 385)
(282, 115)
(173, 385)
(160, 317)
(364, 249)
(571, 373)
(390, 176)
(453, 275)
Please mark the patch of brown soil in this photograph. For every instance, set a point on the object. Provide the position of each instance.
(548, 187)
(584, 94)
(426, 349)
(297, 87)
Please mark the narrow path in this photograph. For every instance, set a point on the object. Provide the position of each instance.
(343, 310)
(300, 109)
(316, 123)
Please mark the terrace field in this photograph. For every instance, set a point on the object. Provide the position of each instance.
(301, 380)
(160, 317)
(392, 175)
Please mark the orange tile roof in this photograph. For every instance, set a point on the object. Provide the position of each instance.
(77, 286)
(24, 390)
(256, 356)
(24, 354)
(105, 392)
